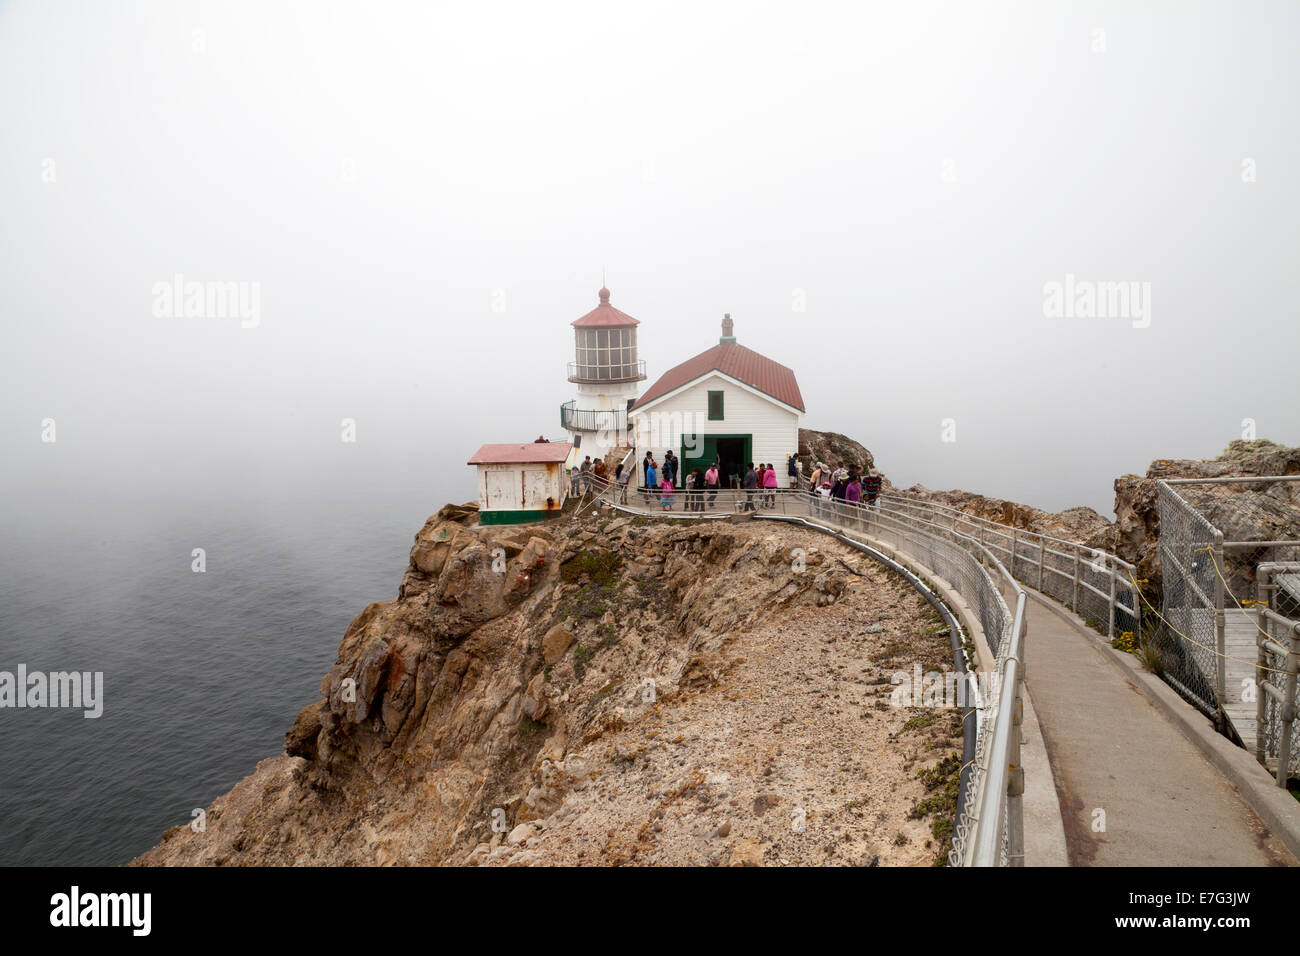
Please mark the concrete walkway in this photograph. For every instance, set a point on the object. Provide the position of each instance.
(1113, 752)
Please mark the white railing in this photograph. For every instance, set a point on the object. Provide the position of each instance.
(1096, 585)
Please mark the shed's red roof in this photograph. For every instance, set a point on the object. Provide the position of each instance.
(604, 315)
(746, 365)
(537, 451)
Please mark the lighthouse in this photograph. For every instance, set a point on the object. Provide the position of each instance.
(607, 374)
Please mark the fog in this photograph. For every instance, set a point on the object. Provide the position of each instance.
(427, 195)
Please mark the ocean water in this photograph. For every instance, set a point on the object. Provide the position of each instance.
(203, 673)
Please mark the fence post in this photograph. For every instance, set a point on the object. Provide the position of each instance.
(1074, 603)
(1014, 537)
(1110, 630)
(1262, 593)
(1042, 553)
(1016, 787)
(1220, 671)
(1288, 709)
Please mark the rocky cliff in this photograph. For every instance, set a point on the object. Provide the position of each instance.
(1242, 512)
(616, 690)
(831, 448)
(610, 690)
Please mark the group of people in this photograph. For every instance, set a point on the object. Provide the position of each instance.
(581, 476)
(589, 475)
(763, 477)
(845, 484)
(664, 479)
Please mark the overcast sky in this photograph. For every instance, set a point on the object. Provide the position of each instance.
(426, 196)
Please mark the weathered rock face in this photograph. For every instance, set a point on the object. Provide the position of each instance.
(505, 649)
(831, 447)
(1242, 512)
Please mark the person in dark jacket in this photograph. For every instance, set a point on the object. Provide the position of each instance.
(651, 480)
(871, 487)
(750, 483)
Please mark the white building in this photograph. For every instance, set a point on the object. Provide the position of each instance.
(728, 404)
(608, 376)
(518, 483)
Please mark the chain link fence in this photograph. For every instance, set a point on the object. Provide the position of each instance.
(1185, 646)
(1229, 553)
(1278, 617)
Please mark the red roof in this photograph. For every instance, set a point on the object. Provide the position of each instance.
(537, 451)
(746, 365)
(604, 315)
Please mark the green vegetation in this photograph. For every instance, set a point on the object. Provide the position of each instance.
(890, 650)
(600, 567)
(1126, 642)
(941, 782)
(598, 577)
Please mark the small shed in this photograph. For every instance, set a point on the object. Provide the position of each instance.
(519, 483)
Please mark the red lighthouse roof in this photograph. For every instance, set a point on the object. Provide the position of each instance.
(604, 316)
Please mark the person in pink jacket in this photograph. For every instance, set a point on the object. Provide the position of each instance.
(666, 494)
(769, 484)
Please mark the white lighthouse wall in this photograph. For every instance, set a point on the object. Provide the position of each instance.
(607, 397)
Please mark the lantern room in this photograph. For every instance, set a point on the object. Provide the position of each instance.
(605, 347)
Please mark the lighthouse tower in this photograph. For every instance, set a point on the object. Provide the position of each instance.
(607, 374)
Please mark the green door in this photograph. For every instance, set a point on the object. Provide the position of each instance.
(731, 451)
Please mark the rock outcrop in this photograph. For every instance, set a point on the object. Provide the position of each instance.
(831, 448)
(579, 677)
(1241, 511)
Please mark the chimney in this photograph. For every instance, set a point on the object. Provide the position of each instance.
(727, 329)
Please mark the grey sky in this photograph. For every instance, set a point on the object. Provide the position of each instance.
(393, 174)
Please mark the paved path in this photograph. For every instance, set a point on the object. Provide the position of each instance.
(1112, 750)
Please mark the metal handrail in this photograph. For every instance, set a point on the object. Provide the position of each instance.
(573, 418)
(1003, 529)
(1118, 575)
